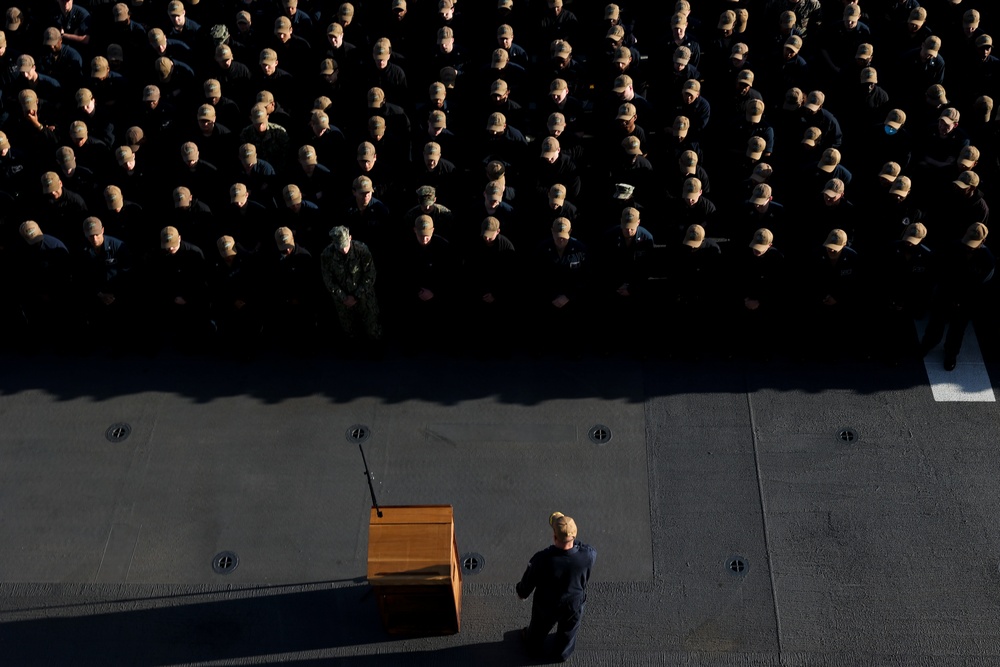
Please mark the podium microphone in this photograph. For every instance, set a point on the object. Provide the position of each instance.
(369, 476)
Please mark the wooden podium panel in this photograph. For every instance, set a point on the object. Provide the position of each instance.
(413, 569)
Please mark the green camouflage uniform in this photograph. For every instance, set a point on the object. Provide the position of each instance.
(353, 274)
(272, 145)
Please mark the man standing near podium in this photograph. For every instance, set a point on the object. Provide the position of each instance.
(558, 575)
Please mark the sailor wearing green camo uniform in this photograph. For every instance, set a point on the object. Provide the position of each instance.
(349, 275)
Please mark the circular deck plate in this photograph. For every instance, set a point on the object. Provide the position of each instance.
(358, 433)
(118, 432)
(600, 434)
(225, 562)
(737, 565)
(848, 436)
(472, 562)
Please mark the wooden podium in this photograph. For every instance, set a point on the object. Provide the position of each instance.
(413, 569)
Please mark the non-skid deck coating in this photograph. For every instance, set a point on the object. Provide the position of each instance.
(882, 550)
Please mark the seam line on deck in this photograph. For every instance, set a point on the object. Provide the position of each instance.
(763, 519)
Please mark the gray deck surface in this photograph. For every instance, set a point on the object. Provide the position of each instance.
(882, 551)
